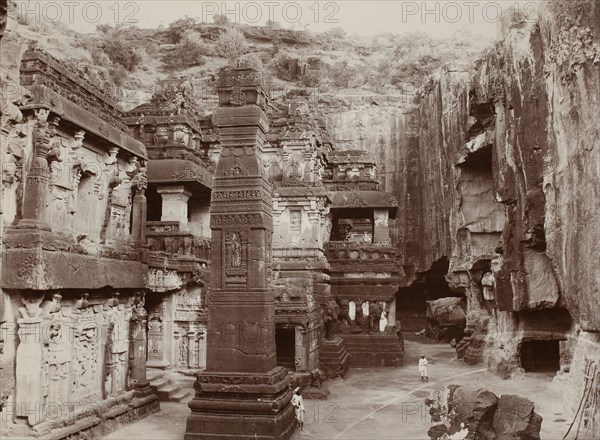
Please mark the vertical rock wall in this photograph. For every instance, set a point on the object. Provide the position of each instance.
(509, 189)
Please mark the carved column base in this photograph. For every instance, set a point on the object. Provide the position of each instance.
(26, 223)
(241, 406)
(141, 388)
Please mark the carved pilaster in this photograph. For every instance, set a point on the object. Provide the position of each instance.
(28, 387)
(137, 344)
(36, 185)
(139, 184)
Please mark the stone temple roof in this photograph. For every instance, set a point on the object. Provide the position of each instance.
(53, 86)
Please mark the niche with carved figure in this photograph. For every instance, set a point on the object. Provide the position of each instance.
(87, 218)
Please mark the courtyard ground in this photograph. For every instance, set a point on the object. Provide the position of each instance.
(382, 403)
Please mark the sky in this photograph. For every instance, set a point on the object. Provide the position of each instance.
(356, 17)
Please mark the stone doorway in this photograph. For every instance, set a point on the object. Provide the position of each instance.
(285, 343)
(540, 356)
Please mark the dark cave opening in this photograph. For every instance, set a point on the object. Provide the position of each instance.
(540, 356)
(285, 344)
(411, 301)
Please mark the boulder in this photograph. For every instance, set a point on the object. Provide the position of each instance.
(482, 414)
(447, 312)
(446, 318)
(515, 418)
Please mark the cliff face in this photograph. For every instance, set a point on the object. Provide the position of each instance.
(509, 190)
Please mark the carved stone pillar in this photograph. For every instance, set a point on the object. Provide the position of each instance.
(242, 394)
(391, 317)
(137, 345)
(139, 185)
(36, 185)
(174, 204)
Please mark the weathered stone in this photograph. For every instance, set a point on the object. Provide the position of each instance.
(511, 197)
(475, 408)
(64, 230)
(482, 413)
(515, 417)
(446, 318)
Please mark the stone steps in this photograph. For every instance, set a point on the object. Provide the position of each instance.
(169, 388)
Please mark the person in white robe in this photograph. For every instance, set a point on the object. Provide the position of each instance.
(423, 368)
(298, 404)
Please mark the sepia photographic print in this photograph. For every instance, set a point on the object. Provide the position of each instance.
(305, 220)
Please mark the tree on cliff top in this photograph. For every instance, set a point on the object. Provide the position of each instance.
(124, 45)
(188, 52)
(232, 44)
(179, 28)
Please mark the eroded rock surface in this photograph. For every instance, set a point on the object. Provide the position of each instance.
(482, 415)
(446, 318)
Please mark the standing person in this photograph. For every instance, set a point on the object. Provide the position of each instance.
(423, 368)
(298, 403)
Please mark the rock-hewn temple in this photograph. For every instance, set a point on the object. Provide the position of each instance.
(178, 261)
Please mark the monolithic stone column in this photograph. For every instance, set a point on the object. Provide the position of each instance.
(242, 394)
(174, 203)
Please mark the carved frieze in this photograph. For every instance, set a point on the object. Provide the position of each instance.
(163, 280)
(235, 219)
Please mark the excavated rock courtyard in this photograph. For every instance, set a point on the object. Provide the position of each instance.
(383, 403)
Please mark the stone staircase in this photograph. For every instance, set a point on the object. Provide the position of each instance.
(171, 386)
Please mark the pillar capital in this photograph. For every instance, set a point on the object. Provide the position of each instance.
(174, 191)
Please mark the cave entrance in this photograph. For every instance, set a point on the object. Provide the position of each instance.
(411, 301)
(540, 356)
(285, 344)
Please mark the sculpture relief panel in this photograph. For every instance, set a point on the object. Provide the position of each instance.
(86, 356)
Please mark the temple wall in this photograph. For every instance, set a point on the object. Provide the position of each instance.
(72, 277)
(72, 357)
